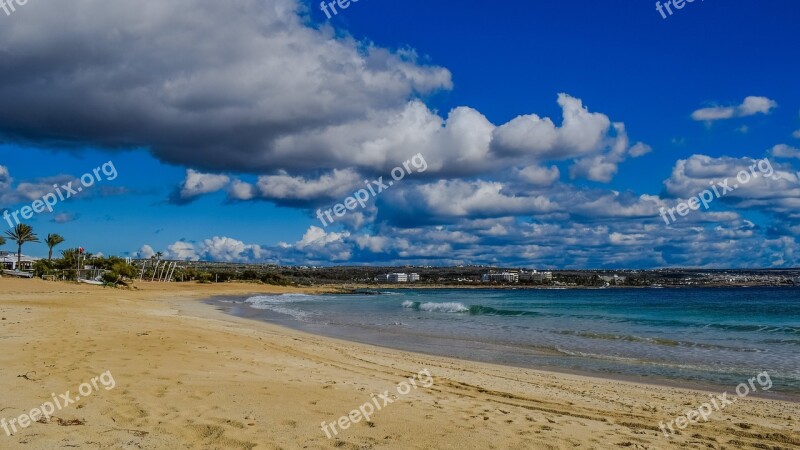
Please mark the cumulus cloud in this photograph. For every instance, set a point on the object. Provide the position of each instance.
(240, 190)
(785, 151)
(284, 188)
(151, 77)
(581, 132)
(602, 167)
(182, 251)
(313, 112)
(5, 179)
(27, 191)
(145, 252)
(540, 176)
(273, 96)
(317, 237)
(196, 184)
(774, 189)
(751, 106)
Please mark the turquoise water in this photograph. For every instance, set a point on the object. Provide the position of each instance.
(692, 337)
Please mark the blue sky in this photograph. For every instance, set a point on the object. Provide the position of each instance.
(193, 99)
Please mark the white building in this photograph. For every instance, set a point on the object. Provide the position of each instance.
(502, 277)
(537, 277)
(616, 279)
(398, 278)
(9, 261)
(541, 277)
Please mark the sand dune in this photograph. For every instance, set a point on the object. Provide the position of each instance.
(189, 376)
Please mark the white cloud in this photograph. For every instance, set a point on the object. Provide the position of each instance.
(5, 179)
(334, 186)
(375, 244)
(756, 105)
(182, 251)
(145, 252)
(540, 176)
(751, 105)
(228, 249)
(222, 106)
(775, 189)
(197, 183)
(316, 236)
(785, 151)
(240, 190)
(581, 132)
(602, 167)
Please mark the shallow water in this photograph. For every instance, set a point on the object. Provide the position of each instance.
(687, 337)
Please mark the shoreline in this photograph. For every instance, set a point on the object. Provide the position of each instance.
(256, 315)
(189, 375)
(351, 288)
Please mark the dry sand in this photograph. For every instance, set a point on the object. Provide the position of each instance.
(189, 376)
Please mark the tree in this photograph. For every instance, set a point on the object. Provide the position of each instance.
(22, 233)
(51, 241)
(2, 241)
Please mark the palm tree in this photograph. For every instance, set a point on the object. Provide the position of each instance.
(22, 233)
(51, 241)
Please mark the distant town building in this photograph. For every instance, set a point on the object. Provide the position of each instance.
(616, 279)
(502, 277)
(535, 276)
(397, 278)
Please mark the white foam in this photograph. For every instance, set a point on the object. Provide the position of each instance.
(449, 307)
(277, 303)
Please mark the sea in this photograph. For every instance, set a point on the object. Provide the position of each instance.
(706, 338)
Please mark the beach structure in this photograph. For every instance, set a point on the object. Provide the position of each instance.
(9, 261)
(162, 270)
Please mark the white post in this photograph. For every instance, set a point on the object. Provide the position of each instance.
(155, 269)
(172, 272)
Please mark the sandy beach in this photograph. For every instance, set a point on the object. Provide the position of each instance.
(189, 376)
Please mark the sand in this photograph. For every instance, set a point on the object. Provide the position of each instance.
(189, 376)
